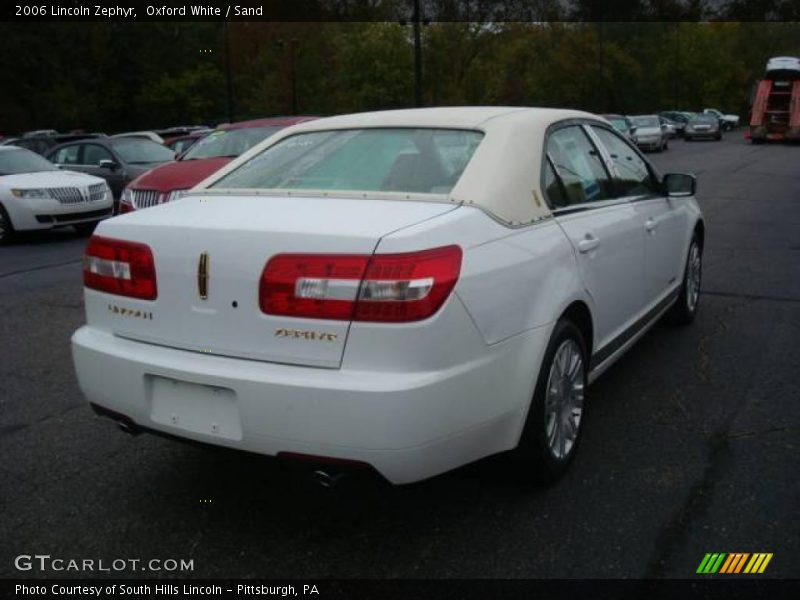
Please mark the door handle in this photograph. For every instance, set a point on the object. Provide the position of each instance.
(650, 225)
(588, 243)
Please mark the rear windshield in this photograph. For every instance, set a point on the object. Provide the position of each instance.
(229, 142)
(396, 159)
(619, 124)
(646, 121)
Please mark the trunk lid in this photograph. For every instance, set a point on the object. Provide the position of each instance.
(238, 235)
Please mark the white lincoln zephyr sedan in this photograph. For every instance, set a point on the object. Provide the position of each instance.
(411, 290)
(35, 194)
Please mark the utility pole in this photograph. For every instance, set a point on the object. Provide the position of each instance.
(228, 81)
(417, 55)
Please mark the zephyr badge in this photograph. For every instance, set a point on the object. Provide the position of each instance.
(202, 276)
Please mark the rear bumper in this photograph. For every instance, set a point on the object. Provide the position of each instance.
(408, 426)
(702, 134)
(650, 144)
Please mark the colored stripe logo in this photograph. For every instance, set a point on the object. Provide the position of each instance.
(734, 563)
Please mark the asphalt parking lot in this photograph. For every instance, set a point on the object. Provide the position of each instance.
(691, 446)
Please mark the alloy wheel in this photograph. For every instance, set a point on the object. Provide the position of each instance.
(694, 269)
(564, 400)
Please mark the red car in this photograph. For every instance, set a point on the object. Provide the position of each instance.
(170, 181)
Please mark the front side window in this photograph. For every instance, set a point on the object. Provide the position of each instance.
(68, 155)
(579, 166)
(385, 159)
(94, 153)
(633, 177)
(140, 151)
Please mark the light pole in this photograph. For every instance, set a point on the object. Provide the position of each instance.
(228, 80)
(677, 62)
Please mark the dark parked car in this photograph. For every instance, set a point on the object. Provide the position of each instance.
(117, 160)
(678, 117)
(703, 126)
(674, 128)
(41, 143)
(181, 130)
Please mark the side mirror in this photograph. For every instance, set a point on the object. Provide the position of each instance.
(107, 164)
(633, 129)
(679, 185)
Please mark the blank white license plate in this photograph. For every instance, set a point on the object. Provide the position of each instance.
(193, 407)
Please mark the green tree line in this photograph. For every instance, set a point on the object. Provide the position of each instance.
(120, 76)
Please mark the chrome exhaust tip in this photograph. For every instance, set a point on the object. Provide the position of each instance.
(326, 479)
(128, 428)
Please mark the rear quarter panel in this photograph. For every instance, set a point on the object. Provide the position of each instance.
(512, 280)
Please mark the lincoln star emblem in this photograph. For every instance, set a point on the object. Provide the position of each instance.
(202, 276)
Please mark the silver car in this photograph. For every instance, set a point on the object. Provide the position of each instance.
(650, 133)
(703, 126)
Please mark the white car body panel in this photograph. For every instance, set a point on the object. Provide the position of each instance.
(23, 211)
(666, 220)
(255, 229)
(613, 269)
(410, 399)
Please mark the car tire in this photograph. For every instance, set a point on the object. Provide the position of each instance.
(718, 137)
(684, 310)
(7, 232)
(666, 145)
(85, 228)
(553, 427)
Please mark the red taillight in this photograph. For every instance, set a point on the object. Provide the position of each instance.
(120, 267)
(383, 287)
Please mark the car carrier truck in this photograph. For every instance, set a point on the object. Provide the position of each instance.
(775, 114)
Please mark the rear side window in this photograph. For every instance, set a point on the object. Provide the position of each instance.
(68, 155)
(579, 166)
(633, 177)
(553, 187)
(385, 159)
